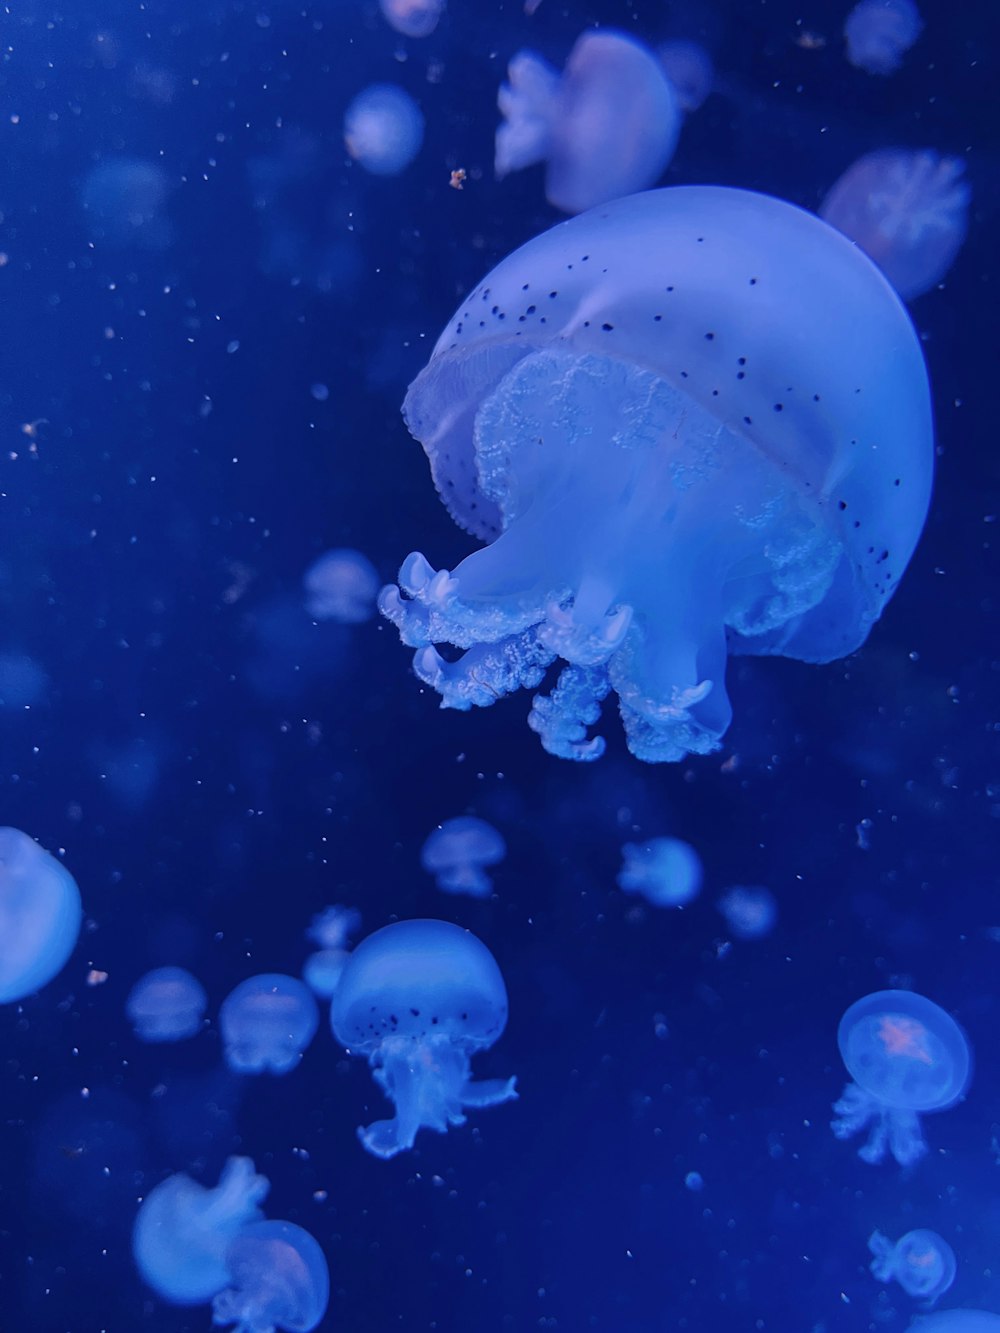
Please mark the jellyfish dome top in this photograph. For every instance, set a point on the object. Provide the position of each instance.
(278, 1279)
(267, 1022)
(167, 1004)
(419, 998)
(906, 1056)
(671, 459)
(40, 915)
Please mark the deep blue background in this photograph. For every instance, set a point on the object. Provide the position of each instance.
(151, 555)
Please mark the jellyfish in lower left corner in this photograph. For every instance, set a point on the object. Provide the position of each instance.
(278, 1280)
(922, 1262)
(906, 1056)
(419, 999)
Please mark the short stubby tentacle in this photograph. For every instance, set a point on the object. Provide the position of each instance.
(485, 673)
(561, 719)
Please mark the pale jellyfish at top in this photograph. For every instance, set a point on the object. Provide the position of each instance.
(921, 1262)
(908, 209)
(689, 68)
(183, 1231)
(413, 18)
(721, 471)
(266, 1023)
(457, 853)
(277, 1279)
(879, 33)
(40, 915)
(341, 585)
(167, 1004)
(419, 999)
(906, 1056)
(666, 871)
(956, 1321)
(606, 126)
(383, 129)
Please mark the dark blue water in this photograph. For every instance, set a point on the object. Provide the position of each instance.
(178, 477)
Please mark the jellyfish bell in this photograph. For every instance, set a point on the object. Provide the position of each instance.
(278, 1279)
(671, 459)
(40, 915)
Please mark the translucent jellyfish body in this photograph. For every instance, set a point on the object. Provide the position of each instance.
(267, 1022)
(671, 458)
(278, 1279)
(606, 127)
(341, 585)
(383, 129)
(879, 33)
(906, 1056)
(124, 199)
(183, 1231)
(333, 927)
(40, 915)
(457, 853)
(419, 998)
(907, 209)
(921, 1262)
(166, 1004)
(413, 18)
(750, 910)
(956, 1321)
(666, 871)
(689, 68)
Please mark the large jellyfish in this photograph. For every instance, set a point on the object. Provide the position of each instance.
(166, 1004)
(908, 209)
(671, 458)
(922, 1262)
(40, 915)
(906, 1056)
(879, 33)
(267, 1022)
(183, 1231)
(419, 998)
(605, 127)
(278, 1279)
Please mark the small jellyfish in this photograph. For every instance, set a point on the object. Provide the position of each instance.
(419, 999)
(183, 1231)
(278, 1279)
(751, 911)
(166, 1004)
(689, 68)
(267, 1022)
(333, 927)
(907, 209)
(23, 682)
(906, 1056)
(341, 585)
(879, 33)
(383, 129)
(606, 127)
(666, 871)
(323, 969)
(921, 1262)
(413, 18)
(722, 472)
(457, 852)
(40, 915)
(124, 199)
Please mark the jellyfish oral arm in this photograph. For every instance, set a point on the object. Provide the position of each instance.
(892, 1130)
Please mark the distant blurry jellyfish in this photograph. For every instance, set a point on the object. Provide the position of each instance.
(183, 1231)
(457, 851)
(921, 1262)
(333, 927)
(698, 493)
(40, 915)
(267, 1022)
(666, 871)
(124, 199)
(690, 71)
(383, 129)
(278, 1279)
(132, 770)
(90, 1151)
(167, 1004)
(750, 911)
(23, 682)
(907, 209)
(906, 1056)
(606, 127)
(322, 971)
(956, 1321)
(413, 18)
(419, 998)
(341, 585)
(879, 33)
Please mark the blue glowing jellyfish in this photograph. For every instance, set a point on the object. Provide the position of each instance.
(341, 585)
(413, 18)
(166, 1004)
(666, 871)
(921, 1262)
(419, 998)
(689, 68)
(606, 127)
(323, 969)
(956, 1321)
(879, 33)
(183, 1231)
(40, 915)
(457, 852)
(906, 1056)
(383, 129)
(278, 1279)
(124, 200)
(671, 458)
(750, 910)
(908, 210)
(267, 1022)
